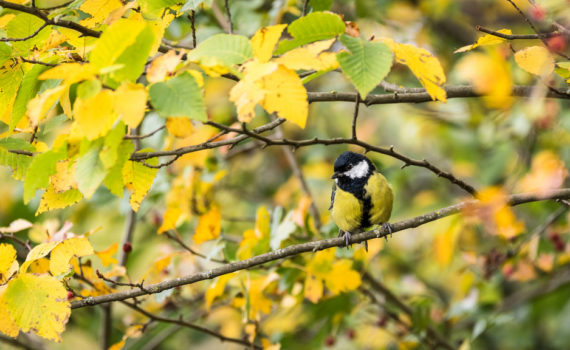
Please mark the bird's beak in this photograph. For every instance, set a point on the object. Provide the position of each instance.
(335, 176)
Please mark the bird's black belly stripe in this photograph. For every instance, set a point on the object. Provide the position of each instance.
(366, 208)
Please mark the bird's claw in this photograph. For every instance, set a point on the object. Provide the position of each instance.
(346, 235)
(388, 228)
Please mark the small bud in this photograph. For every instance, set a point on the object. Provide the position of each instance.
(127, 247)
(330, 341)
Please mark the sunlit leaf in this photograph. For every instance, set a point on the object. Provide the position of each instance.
(29, 88)
(89, 169)
(264, 41)
(547, 172)
(179, 127)
(222, 49)
(424, 65)
(486, 40)
(99, 10)
(69, 248)
(130, 103)
(16, 226)
(41, 168)
(95, 116)
(23, 25)
(536, 60)
(10, 78)
(38, 303)
(138, 178)
(7, 325)
(312, 27)
(52, 199)
(216, 289)
(209, 226)
(106, 255)
(169, 219)
(310, 57)
(163, 66)
(114, 178)
(7, 260)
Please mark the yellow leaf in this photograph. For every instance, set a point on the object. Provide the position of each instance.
(51, 199)
(118, 345)
(535, 60)
(16, 226)
(39, 266)
(180, 127)
(486, 40)
(99, 10)
(423, 64)
(106, 255)
(495, 214)
(258, 302)
(7, 325)
(285, 95)
(313, 288)
(38, 303)
(169, 219)
(138, 179)
(247, 93)
(444, 243)
(547, 172)
(130, 103)
(342, 277)
(310, 57)
(62, 254)
(163, 66)
(41, 104)
(70, 73)
(490, 76)
(94, 116)
(264, 41)
(209, 226)
(4, 20)
(63, 179)
(7, 260)
(36, 253)
(262, 224)
(216, 289)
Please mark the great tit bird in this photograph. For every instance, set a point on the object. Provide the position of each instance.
(361, 196)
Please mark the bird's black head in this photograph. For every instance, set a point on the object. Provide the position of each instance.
(352, 165)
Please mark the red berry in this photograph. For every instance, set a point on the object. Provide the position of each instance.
(329, 341)
(382, 321)
(127, 247)
(556, 43)
(350, 334)
(537, 13)
(70, 295)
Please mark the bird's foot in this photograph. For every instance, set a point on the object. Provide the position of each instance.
(346, 235)
(388, 228)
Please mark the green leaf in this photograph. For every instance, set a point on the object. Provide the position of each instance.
(24, 25)
(18, 162)
(114, 179)
(366, 64)
(89, 169)
(122, 39)
(29, 88)
(12, 143)
(156, 7)
(111, 145)
(10, 78)
(5, 53)
(227, 49)
(321, 5)
(39, 171)
(421, 314)
(191, 5)
(178, 97)
(313, 27)
(134, 57)
(138, 179)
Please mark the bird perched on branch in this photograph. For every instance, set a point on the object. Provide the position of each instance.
(361, 196)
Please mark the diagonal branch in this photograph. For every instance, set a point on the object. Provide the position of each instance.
(27, 37)
(297, 249)
(517, 36)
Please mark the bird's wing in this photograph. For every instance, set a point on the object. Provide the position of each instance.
(332, 195)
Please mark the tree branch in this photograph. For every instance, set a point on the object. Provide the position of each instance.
(297, 249)
(27, 37)
(228, 13)
(517, 36)
(183, 323)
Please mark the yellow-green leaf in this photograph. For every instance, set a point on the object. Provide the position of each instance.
(209, 226)
(169, 219)
(130, 103)
(52, 199)
(216, 289)
(485, 40)
(138, 179)
(535, 60)
(62, 254)
(38, 304)
(7, 260)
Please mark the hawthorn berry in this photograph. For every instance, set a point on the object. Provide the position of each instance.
(127, 247)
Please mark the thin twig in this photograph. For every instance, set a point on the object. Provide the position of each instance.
(355, 115)
(24, 244)
(517, 36)
(140, 137)
(27, 37)
(39, 62)
(228, 13)
(314, 246)
(305, 5)
(183, 323)
(393, 298)
(192, 17)
(192, 251)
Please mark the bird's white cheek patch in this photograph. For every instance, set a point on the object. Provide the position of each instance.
(358, 171)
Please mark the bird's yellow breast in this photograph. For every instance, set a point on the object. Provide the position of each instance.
(381, 196)
(346, 211)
